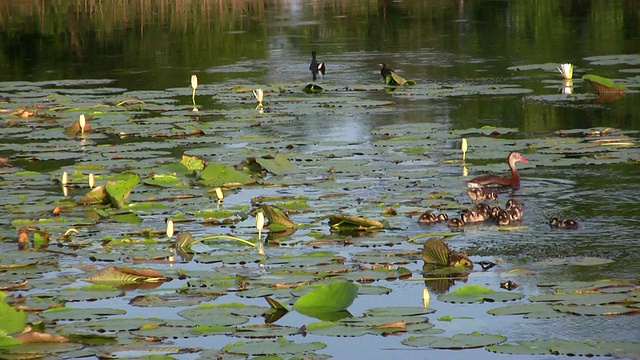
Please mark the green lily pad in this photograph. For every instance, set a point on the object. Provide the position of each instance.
(67, 313)
(278, 164)
(460, 341)
(280, 347)
(221, 175)
(530, 311)
(480, 294)
(328, 298)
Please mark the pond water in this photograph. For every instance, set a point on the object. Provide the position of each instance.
(485, 71)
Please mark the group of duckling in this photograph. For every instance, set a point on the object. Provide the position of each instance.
(481, 212)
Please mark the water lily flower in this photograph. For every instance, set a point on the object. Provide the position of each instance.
(194, 85)
(464, 147)
(259, 94)
(260, 226)
(65, 179)
(170, 228)
(566, 70)
(83, 122)
(92, 181)
(426, 298)
(194, 82)
(219, 194)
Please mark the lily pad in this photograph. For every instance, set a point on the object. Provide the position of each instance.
(480, 294)
(280, 347)
(460, 341)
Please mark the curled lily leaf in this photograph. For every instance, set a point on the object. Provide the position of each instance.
(566, 70)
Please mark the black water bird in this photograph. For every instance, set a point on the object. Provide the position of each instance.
(391, 78)
(316, 67)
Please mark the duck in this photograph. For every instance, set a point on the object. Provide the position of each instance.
(474, 216)
(385, 72)
(514, 209)
(430, 218)
(512, 181)
(316, 67)
(495, 211)
(483, 208)
(427, 218)
(391, 78)
(479, 194)
(503, 218)
(456, 223)
(563, 223)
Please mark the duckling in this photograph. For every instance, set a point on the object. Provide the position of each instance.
(515, 210)
(494, 212)
(513, 204)
(563, 223)
(515, 214)
(454, 223)
(482, 208)
(503, 218)
(474, 216)
(443, 217)
(427, 218)
(479, 194)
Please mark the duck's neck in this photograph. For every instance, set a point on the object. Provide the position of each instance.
(515, 177)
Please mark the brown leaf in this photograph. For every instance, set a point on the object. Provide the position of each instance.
(40, 337)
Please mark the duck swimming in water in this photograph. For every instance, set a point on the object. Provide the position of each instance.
(563, 223)
(512, 181)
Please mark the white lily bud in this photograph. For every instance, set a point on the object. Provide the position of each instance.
(219, 194)
(260, 221)
(170, 228)
(464, 147)
(83, 122)
(566, 70)
(194, 82)
(92, 181)
(65, 179)
(259, 94)
(426, 298)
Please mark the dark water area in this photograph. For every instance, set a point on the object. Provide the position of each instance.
(510, 47)
(155, 45)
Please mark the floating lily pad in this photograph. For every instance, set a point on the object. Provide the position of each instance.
(530, 311)
(460, 341)
(281, 346)
(478, 293)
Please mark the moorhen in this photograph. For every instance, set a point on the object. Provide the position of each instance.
(316, 67)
